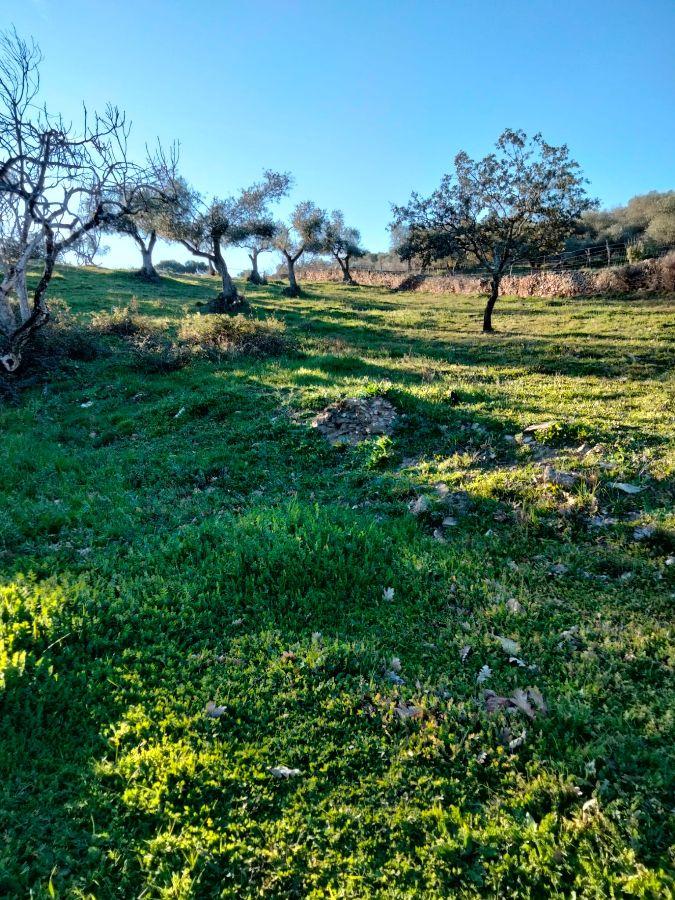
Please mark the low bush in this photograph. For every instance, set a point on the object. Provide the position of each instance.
(158, 353)
(122, 321)
(218, 335)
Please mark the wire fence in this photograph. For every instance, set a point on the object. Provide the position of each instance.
(593, 257)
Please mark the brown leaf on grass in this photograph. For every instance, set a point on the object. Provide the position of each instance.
(288, 655)
(536, 697)
(521, 701)
(406, 710)
(493, 701)
(540, 426)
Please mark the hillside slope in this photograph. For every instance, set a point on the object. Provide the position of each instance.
(174, 533)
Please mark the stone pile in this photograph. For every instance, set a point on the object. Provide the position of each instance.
(354, 420)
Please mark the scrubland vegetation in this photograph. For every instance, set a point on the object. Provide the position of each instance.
(236, 660)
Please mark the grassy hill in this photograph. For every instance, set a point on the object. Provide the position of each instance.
(173, 533)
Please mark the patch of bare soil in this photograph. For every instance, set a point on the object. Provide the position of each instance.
(354, 420)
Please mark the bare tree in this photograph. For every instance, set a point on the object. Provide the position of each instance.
(301, 235)
(527, 194)
(206, 228)
(342, 242)
(56, 186)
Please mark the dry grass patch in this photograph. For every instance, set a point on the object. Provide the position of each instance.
(219, 335)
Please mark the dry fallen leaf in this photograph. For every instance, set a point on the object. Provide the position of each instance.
(493, 701)
(288, 654)
(541, 426)
(508, 646)
(535, 696)
(516, 661)
(213, 711)
(521, 701)
(408, 710)
(626, 488)
(283, 772)
(483, 675)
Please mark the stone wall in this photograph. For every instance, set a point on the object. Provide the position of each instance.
(648, 275)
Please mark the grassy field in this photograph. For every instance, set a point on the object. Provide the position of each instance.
(174, 538)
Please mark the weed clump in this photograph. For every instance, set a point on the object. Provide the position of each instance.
(156, 352)
(122, 321)
(221, 335)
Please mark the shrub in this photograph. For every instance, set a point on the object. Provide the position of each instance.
(63, 337)
(222, 334)
(158, 353)
(123, 321)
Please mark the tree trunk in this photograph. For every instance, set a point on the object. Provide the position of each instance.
(490, 305)
(254, 276)
(22, 292)
(228, 299)
(17, 340)
(147, 270)
(346, 274)
(293, 289)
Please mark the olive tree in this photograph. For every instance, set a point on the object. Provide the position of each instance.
(342, 243)
(152, 221)
(255, 203)
(57, 185)
(302, 234)
(527, 193)
(206, 228)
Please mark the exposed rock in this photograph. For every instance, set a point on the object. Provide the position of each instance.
(354, 420)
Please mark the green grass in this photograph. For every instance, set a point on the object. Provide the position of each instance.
(154, 560)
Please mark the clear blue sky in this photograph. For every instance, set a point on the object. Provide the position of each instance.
(365, 101)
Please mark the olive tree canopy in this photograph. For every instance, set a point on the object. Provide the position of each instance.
(526, 194)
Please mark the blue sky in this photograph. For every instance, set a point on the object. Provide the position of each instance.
(364, 102)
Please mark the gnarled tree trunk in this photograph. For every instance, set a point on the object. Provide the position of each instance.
(147, 270)
(293, 289)
(254, 275)
(229, 299)
(346, 274)
(490, 305)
